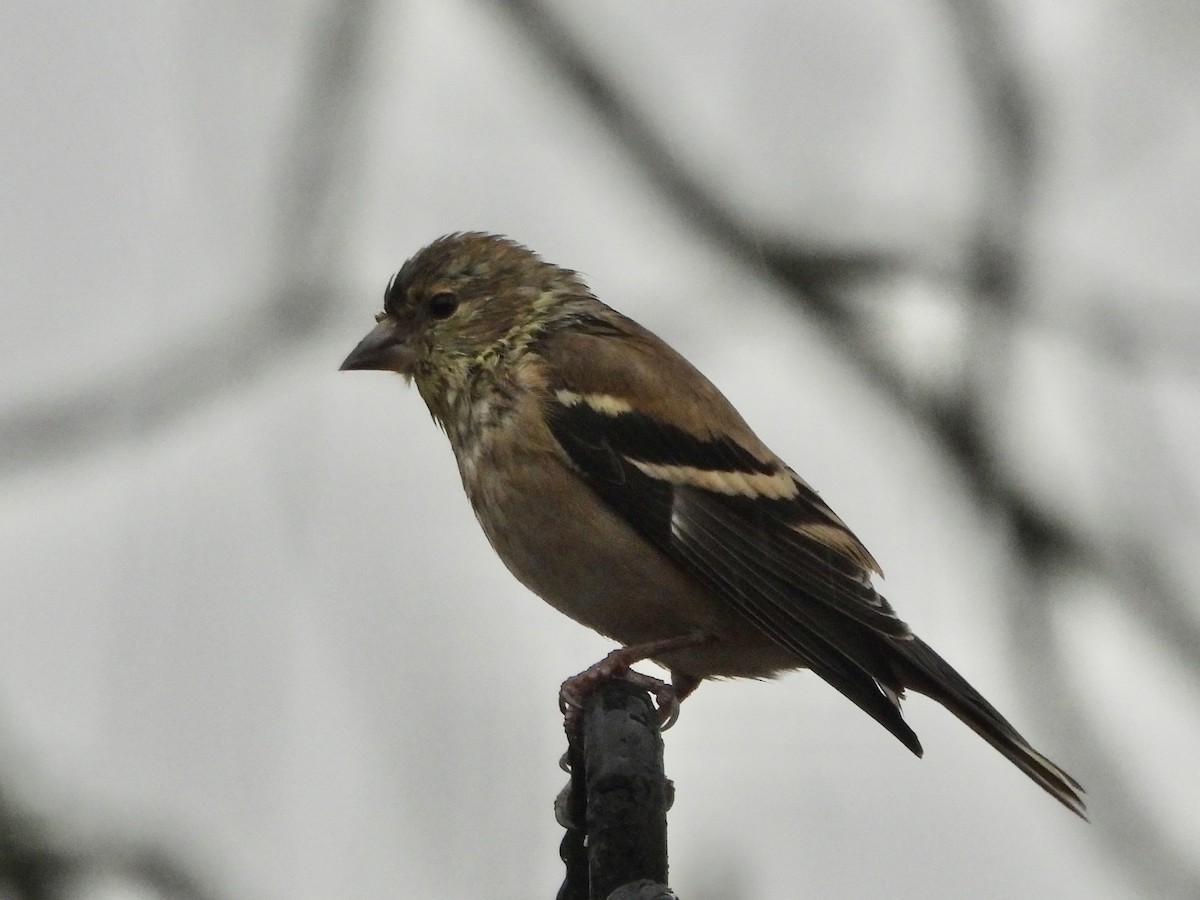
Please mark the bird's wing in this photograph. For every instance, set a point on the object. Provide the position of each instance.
(740, 522)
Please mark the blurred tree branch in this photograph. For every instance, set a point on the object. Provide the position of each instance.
(36, 860)
(42, 859)
(153, 392)
(1046, 542)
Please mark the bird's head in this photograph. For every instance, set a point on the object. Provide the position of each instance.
(467, 303)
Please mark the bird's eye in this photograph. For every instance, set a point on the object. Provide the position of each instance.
(442, 305)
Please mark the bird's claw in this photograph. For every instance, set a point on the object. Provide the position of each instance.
(576, 689)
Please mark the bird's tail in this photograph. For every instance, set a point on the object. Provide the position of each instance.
(927, 673)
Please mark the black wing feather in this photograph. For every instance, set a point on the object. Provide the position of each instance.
(804, 596)
(604, 447)
(713, 556)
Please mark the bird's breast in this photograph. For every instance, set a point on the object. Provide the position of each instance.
(559, 539)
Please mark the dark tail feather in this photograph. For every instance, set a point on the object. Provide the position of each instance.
(881, 704)
(927, 673)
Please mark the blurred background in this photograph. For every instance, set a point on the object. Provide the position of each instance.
(942, 255)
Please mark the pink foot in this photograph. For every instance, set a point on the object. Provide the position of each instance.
(576, 689)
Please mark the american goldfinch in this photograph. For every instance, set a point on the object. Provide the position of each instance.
(619, 485)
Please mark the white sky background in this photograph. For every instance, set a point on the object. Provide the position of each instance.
(257, 624)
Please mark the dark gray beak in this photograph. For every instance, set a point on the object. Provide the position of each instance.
(382, 349)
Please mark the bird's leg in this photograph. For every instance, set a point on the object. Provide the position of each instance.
(576, 689)
(681, 687)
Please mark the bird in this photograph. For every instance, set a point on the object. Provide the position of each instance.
(617, 483)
